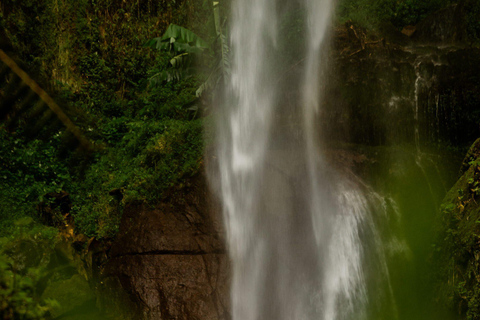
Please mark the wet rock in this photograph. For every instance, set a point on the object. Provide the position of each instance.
(382, 94)
(393, 36)
(54, 208)
(173, 286)
(170, 260)
(445, 26)
(164, 230)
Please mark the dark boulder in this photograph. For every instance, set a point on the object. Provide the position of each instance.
(170, 260)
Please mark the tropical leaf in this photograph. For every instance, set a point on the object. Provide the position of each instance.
(225, 54)
(178, 39)
(181, 34)
(186, 46)
(170, 75)
(211, 82)
(180, 60)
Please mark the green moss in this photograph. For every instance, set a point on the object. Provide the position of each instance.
(458, 247)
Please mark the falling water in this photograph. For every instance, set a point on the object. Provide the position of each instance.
(299, 234)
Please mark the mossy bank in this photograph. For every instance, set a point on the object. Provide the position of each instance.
(457, 250)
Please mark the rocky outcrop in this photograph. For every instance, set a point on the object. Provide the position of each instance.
(457, 250)
(384, 89)
(448, 25)
(169, 260)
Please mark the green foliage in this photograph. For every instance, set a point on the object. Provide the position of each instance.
(151, 157)
(93, 53)
(134, 161)
(42, 277)
(186, 49)
(18, 298)
(458, 247)
(28, 171)
(178, 39)
(371, 13)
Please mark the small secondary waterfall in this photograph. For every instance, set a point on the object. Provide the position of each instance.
(299, 234)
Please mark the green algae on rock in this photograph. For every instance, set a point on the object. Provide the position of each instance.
(457, 250)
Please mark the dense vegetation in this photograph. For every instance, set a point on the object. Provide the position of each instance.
(150, 134)
(93, 53)
(377, 14)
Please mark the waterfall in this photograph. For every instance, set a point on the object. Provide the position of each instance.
(299, 233)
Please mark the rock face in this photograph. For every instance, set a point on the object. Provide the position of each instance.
(387, 90)
(170, 260)
(458, 246)
(448, 25)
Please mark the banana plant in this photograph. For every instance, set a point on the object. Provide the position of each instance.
(178, 39)
(187, 48)
(221, 67)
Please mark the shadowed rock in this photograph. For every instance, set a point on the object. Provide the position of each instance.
(170, 260)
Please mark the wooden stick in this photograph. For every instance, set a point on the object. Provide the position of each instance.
(47, 99)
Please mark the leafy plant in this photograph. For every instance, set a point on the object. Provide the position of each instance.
(187, 48)
(28, 171)
(22, 93)
(17, 294)
(92, 52)
(184, 45)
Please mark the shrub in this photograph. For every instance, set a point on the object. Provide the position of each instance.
(18, 294)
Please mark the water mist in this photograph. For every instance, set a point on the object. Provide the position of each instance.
(296, 229)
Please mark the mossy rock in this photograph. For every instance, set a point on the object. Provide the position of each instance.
(472, 154)
(458, 245)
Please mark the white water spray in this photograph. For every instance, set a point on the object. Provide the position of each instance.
(293, 225)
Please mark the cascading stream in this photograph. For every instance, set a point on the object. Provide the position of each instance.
(295, 227)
